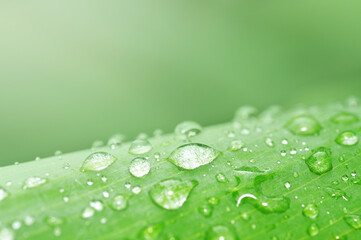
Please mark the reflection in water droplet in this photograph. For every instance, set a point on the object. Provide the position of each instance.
(347, 138)
(310, 211)
(139, 167)
(206, 210)
(97, 161)
(345, 118)
(320, 161)
(304, 125)
(187, 129)
(139, 147)
(221, 178)
(33, 182)
(171, 193)
(193, 155)
(119, 202)
(353, 220)
(220, 232)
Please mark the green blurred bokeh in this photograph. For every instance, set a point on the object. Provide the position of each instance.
(72, 72)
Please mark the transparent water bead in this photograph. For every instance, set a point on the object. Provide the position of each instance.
(119, 202)
(310, 211)
(53, 221)
(115, 141)
(33, 182)
(221, 178)
(187, 129)
(265, 204)
(88, 212)
(304, 125)
(3, 194)
(269, 142)
(206, 210)
(193, 155)
(236, 145)
(245, 112)
(97, 161)
(139, 147)
(97, 205)
(220, 232)
(345, 118)
(353, 220)
(139, 167)
(320, 161)
(6, 234)
(152, 232)
(171, 194)
(347, 138)
(313, 229)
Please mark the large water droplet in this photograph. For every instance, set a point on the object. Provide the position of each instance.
(139, 167)
(320, 161)
(193, 155)
(310, 211)
(151, 232)
(119, 202)
(139, 147)
(172, 193)
(304, 125)
(220, 232)
(313, 229)
(33, 182)
(6, 234)
(97, 161)
(353, 220)
(3, 194)
(347, 138)
(345, 118)
(187, 129)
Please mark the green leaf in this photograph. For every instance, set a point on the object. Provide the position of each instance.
(274, 175)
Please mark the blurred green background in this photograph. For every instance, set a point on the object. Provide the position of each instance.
(72, 72)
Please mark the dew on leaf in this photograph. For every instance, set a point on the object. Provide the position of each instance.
(115, 141)
(213, 200)
(139, 167)
(3, 194)
(6, 234)
(119, 202)
(235, 145)
(206, 210)
(345, 118)
(33, 182)
(220, 232)
(88, 212)
(320, 161)
(16, 225)
(97, 205)
(337, 193)
(97, 161)
(136, 190)
(97, 144)
(269, 142)
(310, 211)
(221, 178)
(287, 185)
(139, 147)
(313, 229)
(265, 204)
(304, 125)
(347, 138)
(28, 220)
(353, 220)
(246, 169)
(171, 194)
(187, 129)
(193, 155)
(245, 112)
(152, 232)
(53, 221)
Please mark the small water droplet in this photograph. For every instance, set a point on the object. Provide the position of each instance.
(103, 220)
(320, 161)
(88, 212)
(115, 141)
(193, 155)
(105, 194)
(97, 205)
(33, 182)
(152, 232)
(345, 118)
(235, 145)
(139, 167)
(245, 112)
(139, 147)
(347, 138)
(187, 129)
(304, 125)
(28, 220)
(295, 174)
(16, 225)
(136, 190)
(221, 178)
(3, 194)
(220, 232)
(337, 193)
(213, 200)
(97, 161)
(97, 144)
(119, 202)
(171, 194)
(310, 211)
(313, 229)
(206, 210)
(353, 220)
(53, 221)
(269, 142)
(287, 185)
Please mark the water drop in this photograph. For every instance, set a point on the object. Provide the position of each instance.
(6, 234)
(193, 155)
(115, 141)
(337, 193)
(304, 125)
(33, 182)
(105, 194)
(345, 118)
(347, 138)
(53, 221)
(16, 225)
(220, 232)
(287, 185)
(88, 212)
(269, 142)
(235, 145)
(136, 190)
(213, 200)
(206, 210)
(187, 129)
(152, 232)
(265, 204)
(221, 178)
(353, 220)
(97, 205)
(245, 112)
(139, 147)
(139, 167)
(172, 193)
(97, 161)
(320, 161)
(28, 220)
(119, 202)
(3, 194)
(313, 229)
(310, 211)
(97, 144)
